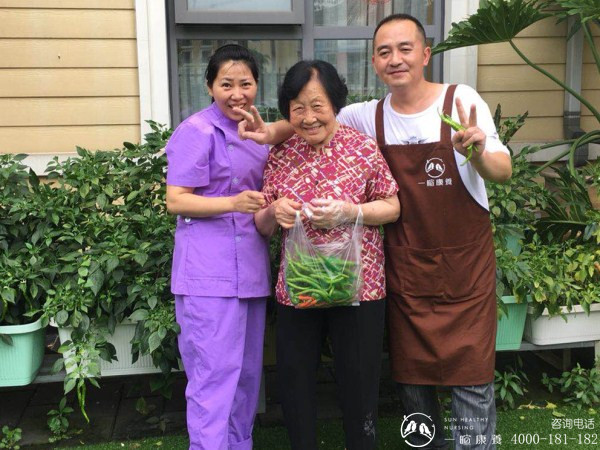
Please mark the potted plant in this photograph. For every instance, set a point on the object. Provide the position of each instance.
(512, 295)
(26, 262)
(111, 298)
(513, 208)
(565, 285)
(564, 268)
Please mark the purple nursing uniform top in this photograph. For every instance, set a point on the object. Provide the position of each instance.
(222, 255)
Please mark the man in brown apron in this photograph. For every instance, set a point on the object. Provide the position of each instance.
(440, 262)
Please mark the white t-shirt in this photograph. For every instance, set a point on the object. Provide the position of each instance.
(424, 127)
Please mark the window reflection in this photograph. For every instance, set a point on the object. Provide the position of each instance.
(367, 12)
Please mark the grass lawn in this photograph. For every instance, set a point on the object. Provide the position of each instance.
(512, 425)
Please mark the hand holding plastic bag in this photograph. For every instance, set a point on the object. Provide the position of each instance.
(285, 212)
(328, 213)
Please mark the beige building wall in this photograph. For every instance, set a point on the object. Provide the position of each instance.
(503, 77)
(68, 75)
(590, 83)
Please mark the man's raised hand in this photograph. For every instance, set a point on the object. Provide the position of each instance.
(471, 135)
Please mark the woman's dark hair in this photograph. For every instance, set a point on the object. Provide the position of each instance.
(229, 52)
(300, 74)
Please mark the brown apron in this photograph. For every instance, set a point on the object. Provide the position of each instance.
(440, 268)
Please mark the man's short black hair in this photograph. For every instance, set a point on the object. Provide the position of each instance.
(300, 74)
(400, 16)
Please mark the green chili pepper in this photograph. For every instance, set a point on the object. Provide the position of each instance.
(326, 279)
(458, 127)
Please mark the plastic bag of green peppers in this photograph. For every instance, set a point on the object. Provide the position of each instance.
(324, 272)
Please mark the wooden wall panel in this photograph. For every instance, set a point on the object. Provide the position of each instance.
(538, 103)
(68, 75)
(545, 28)
(55, 140)
(587, 53)
(67, 23)
(69, 4)
(544, 129)
(538, 50)
(589, 123)
(592, 96)
(65, 53)
(73, 111)
(503, 77)
(68, 82)
(518, 78)
(590, 78)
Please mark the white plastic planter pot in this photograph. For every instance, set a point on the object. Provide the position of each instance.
(121, 339)
(579, 327)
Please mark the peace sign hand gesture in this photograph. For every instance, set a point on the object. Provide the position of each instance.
(471, 135)
(252, 126)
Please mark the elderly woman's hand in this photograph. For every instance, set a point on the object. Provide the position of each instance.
(327, 213)
(285, 211)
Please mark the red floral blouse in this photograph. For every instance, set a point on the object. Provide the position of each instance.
(349, 168)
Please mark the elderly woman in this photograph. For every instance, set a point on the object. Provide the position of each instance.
(334, 171)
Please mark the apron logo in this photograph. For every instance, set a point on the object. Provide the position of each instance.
(435, 167)
(417, 423)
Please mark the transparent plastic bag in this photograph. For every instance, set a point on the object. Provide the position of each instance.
(324, 274)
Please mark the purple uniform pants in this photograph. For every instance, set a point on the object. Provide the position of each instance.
(221, 345)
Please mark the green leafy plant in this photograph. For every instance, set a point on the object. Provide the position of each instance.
(510, 385)
(107, 246)
(580, 386)
(58, 421)
(27, 243)
(570, 213)
(514, 206)
(10, 437)
(562, 275)
(81, 358)
(508, 126)
(512, 275)
(156, 334)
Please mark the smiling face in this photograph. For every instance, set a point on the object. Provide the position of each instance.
(234, 86)
(399, 54)
(312, 114)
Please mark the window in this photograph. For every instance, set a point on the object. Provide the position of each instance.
(239, 11)
(337, 31)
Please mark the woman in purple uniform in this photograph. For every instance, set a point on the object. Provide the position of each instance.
(220, 273)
